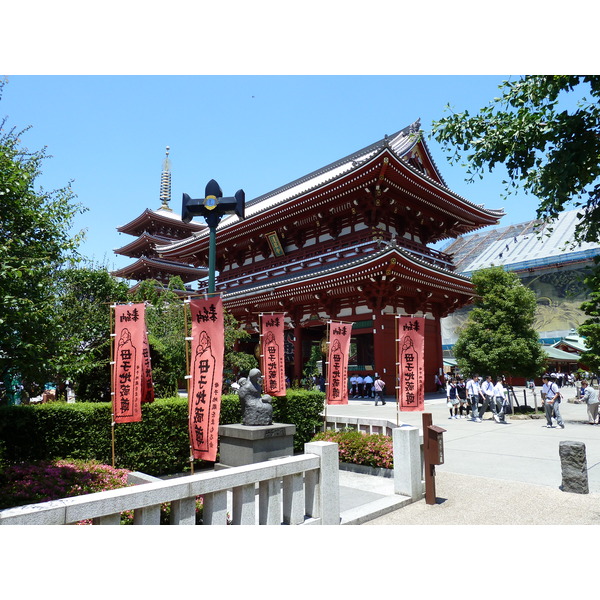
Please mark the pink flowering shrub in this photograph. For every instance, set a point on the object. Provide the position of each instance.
(30, 483)
(373, 450)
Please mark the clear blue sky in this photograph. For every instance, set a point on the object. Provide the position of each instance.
(108, 134)
(107, 130)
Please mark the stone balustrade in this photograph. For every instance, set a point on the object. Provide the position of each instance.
(294, 490)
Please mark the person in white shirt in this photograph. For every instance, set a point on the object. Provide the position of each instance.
(551, 402)
(500, 399)
(359, 386)
(487, 388)
(353, 386)
(475, 396)
(590, 397)
(368, 382)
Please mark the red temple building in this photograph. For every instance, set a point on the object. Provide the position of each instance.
(153, 228)
(347, 242)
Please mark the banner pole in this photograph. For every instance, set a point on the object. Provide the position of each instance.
(397, 373)
(112, 382)
(186, 312)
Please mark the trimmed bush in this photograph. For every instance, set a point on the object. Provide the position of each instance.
(157, 445)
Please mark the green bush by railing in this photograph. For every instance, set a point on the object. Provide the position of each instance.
(157, 445)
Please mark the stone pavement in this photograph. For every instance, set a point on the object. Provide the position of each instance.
(492, 473)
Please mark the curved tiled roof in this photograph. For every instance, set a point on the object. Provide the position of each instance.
(349, 263)
(400, 143)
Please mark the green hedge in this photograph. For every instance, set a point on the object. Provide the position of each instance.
(157, 445)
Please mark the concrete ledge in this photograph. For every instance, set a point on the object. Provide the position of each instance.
(367, 470)
(375, 509)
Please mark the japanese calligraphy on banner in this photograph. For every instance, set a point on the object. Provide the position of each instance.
(411, 376)
(337, 375)
(132, 375)
(273, 354)
(206, 371)
(147, 383)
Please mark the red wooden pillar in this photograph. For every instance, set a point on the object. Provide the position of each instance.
(384, 349)
(434, 359)
(298, 352)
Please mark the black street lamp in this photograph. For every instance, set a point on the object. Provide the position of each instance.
(212, 207)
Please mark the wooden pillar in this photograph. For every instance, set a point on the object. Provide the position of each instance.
(384, 349)
(297, 352)
(433, 352)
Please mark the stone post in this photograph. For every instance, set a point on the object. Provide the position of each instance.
(329, 484)
(408, 469)
(574, 467)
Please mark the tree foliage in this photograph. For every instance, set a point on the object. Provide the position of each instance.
(552, 152)
(35, 242)
(498, 336)
(82, 322)
(591, 328)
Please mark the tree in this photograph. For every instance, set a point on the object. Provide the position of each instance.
(165, 323)
(498, 336)
(552, 152)
(34, 244)
(591, 328)
(82, 321)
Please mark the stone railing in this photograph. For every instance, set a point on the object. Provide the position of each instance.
(407, 449)
(363, 424)
(294, 490)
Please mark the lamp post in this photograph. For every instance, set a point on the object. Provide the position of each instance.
(212, 207)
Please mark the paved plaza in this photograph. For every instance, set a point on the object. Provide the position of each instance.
(512, 471)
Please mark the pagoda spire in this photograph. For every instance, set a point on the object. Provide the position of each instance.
(165, 183)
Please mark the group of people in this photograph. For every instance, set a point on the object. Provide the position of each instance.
(367, 387)
(466, 396)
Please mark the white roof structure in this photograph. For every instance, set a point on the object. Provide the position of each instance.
(530, 245)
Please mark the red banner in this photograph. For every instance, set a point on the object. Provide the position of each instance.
(206, 371)
(273, 354)
(130, 365)
(337, 374)
(411, 363)
(147, 383)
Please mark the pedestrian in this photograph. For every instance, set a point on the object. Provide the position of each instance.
(461, 390)
(452, 398)
(353, 385)
(368, 383)
(379, 387)
(475, 396)
(551, 402)
(360, 386)
(487, 389)
(590, 397)
(501, 402)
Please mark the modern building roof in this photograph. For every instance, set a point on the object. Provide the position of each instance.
(530, 245)
(557, 354)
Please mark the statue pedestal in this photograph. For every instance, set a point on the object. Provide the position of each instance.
(248, 444)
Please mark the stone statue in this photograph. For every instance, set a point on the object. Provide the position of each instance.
(256, 406)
